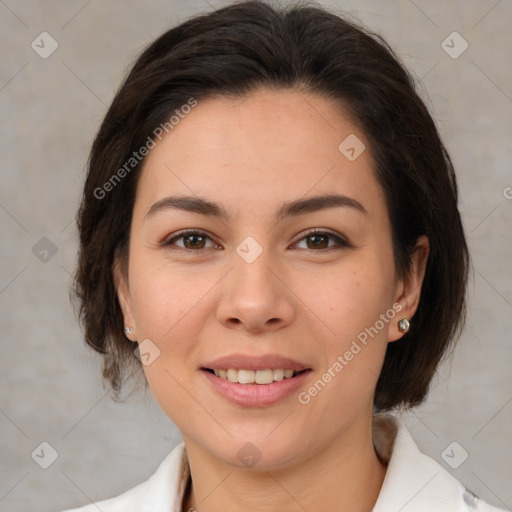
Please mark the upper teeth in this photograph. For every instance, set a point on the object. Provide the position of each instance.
(254, 376)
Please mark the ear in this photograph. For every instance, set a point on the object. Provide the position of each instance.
(124, 295)
(408, 289)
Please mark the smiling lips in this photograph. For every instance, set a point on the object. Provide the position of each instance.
(255, 381)
(242, 369)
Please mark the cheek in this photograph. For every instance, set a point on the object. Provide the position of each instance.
(353, 299)
(168, 304)
(163, 293)
(356, 304)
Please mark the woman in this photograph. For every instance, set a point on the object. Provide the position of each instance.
(270, 224)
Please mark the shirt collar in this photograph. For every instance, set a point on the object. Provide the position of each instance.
(414, 482)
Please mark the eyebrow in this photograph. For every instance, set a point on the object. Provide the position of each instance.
(202, 206)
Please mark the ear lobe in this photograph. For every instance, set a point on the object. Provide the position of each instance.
(410, 287)
(123, 292)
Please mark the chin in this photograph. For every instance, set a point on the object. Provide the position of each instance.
(255, 450)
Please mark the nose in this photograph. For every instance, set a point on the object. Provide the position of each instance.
(255, 298)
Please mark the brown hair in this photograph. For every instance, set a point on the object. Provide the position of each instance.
(230, 52)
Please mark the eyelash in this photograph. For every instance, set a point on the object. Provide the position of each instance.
(183, 234)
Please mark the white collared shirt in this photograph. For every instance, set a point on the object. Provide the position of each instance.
(414, 482)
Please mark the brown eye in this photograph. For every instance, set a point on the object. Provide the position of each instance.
(319, 240)
(192, 240)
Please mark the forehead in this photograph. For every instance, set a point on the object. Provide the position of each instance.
(264, 148)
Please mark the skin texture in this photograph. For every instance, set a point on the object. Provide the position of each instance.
(251, 155)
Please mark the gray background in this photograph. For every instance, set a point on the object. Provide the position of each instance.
(50, 110)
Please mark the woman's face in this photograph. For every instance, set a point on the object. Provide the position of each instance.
(254, 289)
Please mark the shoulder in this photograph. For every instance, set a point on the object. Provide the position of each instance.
(415, 482)
(159, 492)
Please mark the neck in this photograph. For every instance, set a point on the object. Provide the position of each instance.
(347, 470)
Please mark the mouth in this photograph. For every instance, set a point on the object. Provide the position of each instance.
(251, 380)
(262, 377)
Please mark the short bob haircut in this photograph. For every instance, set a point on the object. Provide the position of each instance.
(231, 52)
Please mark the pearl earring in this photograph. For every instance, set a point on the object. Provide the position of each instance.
(128, 330)
(403, 325)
